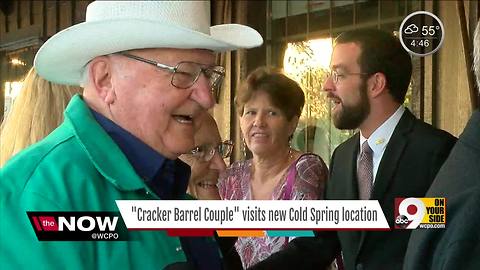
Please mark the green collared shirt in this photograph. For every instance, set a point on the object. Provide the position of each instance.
(76, 168)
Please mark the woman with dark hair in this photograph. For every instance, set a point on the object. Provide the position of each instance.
(269, 105)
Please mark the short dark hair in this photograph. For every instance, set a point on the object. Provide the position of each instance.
(382, 52)
(284, 92)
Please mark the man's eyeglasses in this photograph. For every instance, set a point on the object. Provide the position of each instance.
(186, 74)
(336, 76)
(207, 151)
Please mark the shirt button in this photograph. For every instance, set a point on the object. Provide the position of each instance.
(178, 249)
(147, 192)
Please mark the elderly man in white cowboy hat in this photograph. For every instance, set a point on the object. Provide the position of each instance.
(148, 71)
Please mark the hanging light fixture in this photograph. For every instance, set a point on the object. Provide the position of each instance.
(17, 62)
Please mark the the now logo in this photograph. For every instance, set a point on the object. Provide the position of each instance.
(87, 223)
(77, 225)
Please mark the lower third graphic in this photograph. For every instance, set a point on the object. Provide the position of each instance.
(423, 213)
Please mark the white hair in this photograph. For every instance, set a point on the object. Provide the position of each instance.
(476, 54)
(85, 76)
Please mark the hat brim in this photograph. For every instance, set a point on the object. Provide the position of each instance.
(62, 58)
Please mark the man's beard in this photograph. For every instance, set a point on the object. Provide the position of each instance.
(351, 116)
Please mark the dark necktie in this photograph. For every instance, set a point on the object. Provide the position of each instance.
(365, 172)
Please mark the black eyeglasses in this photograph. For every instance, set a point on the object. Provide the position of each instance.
(206, 152)
(335, 75)
(186, 74)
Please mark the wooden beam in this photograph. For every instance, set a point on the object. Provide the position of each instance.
(430, 79)
(73, 6)
(44, 21)
(31, 16)
(19, 15)
(421, 96)
(57, 17)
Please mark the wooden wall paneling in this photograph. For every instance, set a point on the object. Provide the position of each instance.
(51, 18)
(80, 8)
(3, 23)
(73, 6)
(44, 20)
(12, 19)
(429, 80)
(257, 56)
(18, 5)
(221, 111)
(30, 15)
(453, 89)
(2, 85)
(65, 14)
(24, 14)
(6, 22)
(57, 16)
(416, 101)
(240, 68)
(472, 16)
(37, 13)
(448, 73)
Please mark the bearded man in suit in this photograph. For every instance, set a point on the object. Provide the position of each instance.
(394, 154)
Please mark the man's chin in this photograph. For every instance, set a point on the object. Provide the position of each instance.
(338, 121)
(347, 124)
(342, 124)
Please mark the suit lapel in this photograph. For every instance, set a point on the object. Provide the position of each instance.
(349, 162)
(391, 157)
(390, 160)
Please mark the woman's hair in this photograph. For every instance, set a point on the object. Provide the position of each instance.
(284, 92)
(36, 112)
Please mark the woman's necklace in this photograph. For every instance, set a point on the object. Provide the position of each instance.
(284, 165)
(264, 189)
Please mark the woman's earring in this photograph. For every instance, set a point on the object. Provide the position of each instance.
(244, 149)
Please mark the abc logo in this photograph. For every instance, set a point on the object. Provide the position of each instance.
(410, 213)
(402, 221)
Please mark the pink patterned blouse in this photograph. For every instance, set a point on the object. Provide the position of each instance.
(234, 184)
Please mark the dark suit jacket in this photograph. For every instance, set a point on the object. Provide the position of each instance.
(409, 164)
(457, 246)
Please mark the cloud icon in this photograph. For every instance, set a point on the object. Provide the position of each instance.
(412, 28)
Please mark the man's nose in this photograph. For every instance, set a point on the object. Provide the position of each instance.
(328, 85)
(202, 92)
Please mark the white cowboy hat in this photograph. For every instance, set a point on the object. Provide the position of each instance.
(113, 26)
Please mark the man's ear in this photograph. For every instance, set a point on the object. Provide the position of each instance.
(100, 73)
(377, 84)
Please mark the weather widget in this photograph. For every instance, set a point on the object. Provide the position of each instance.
(421, 33)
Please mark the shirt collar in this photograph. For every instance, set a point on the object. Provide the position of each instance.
(102, 151)
(381, 136)
(148, 163)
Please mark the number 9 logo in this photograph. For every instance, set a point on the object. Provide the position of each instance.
(413, 209)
